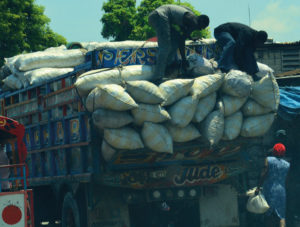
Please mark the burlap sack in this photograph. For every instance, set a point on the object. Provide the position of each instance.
(188, 133)
(144, 92)
(266, 92)
(172, 90)
(110, 96)
(157, 137)
(232, 104)
(123, 138)
(237, 83)
(104, 118)
(232, 126)
(252, 108)
(205, 85)
(107, 151)
(183, 111)
(257, 125)
(204, 107)
(151, 113)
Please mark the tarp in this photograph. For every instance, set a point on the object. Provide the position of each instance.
(289, 106)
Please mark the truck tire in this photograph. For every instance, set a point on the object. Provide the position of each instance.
(70, 212)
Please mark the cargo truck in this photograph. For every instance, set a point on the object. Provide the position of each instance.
(75, 186)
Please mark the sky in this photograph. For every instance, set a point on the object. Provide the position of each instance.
(79, 20)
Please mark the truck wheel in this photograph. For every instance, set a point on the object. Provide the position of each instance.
(70, 212)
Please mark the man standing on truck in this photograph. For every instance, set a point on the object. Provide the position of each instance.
(173, 25)
(239, 42)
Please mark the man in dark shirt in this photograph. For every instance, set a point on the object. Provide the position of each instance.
(239, 42)
(173, 25)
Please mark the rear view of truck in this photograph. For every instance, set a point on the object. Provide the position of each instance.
(101, 154)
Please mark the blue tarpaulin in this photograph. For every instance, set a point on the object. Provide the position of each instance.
(289, 106)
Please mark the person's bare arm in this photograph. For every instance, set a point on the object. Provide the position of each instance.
(263, 176)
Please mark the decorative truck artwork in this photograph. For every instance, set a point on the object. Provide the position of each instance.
(175, 176)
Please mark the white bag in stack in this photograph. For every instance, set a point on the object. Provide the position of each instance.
(110, 96)
(151, 113)
(13, 82)
(172, 90)
(257, 125)
(199, 66)
(104, 118)
(50, 59)
(205, 85)
(252, 108)
(89, 80)
(183, 111)
(232, 126)
(41, 75)
(232, 104)
(266, 92)
(237, 83)
(212, 128)
(204, 107)
(144, 92)
(107, 151)
(188, 133)
(263, 70)
(123, 138)
(157, 137)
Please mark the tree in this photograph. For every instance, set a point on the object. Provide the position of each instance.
(118, 19)
(134, 25)
(24, 28)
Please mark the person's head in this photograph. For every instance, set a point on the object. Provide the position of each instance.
(202, 21)
(261, 37)
(278, 150)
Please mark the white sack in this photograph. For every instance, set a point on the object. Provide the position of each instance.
(13, 82)
(257, 125)
(172, 90)
(157, 137)
(59, 48)
(266, 92)
(41, 75)
(232, 126)
(257, 204)
(212, 128)
(237, 83)
(144, 92)
(110, 96)
(252, 108)
(89, 80)
(188, 133)
(205, 85)
(199, 66)
(263, 70)
(232, 104)
(123, 138)
(50, 59)
(204, 107)
(107, 151)
(151, 113)
(183, 111)
(104, 118)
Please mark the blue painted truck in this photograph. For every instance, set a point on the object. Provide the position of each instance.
(73, 184)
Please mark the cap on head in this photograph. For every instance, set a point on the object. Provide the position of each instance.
(262, 36)
(279, 150)
(203, 21)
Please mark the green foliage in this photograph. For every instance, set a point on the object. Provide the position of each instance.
(122, 21)
(24, 28)
(142, 30)
(118, 19)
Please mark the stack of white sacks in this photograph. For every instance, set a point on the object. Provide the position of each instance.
(135, 113)
(38, 67)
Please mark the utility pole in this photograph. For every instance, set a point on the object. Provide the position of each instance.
(249, 15)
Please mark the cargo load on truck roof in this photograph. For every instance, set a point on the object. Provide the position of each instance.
(208, 106)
